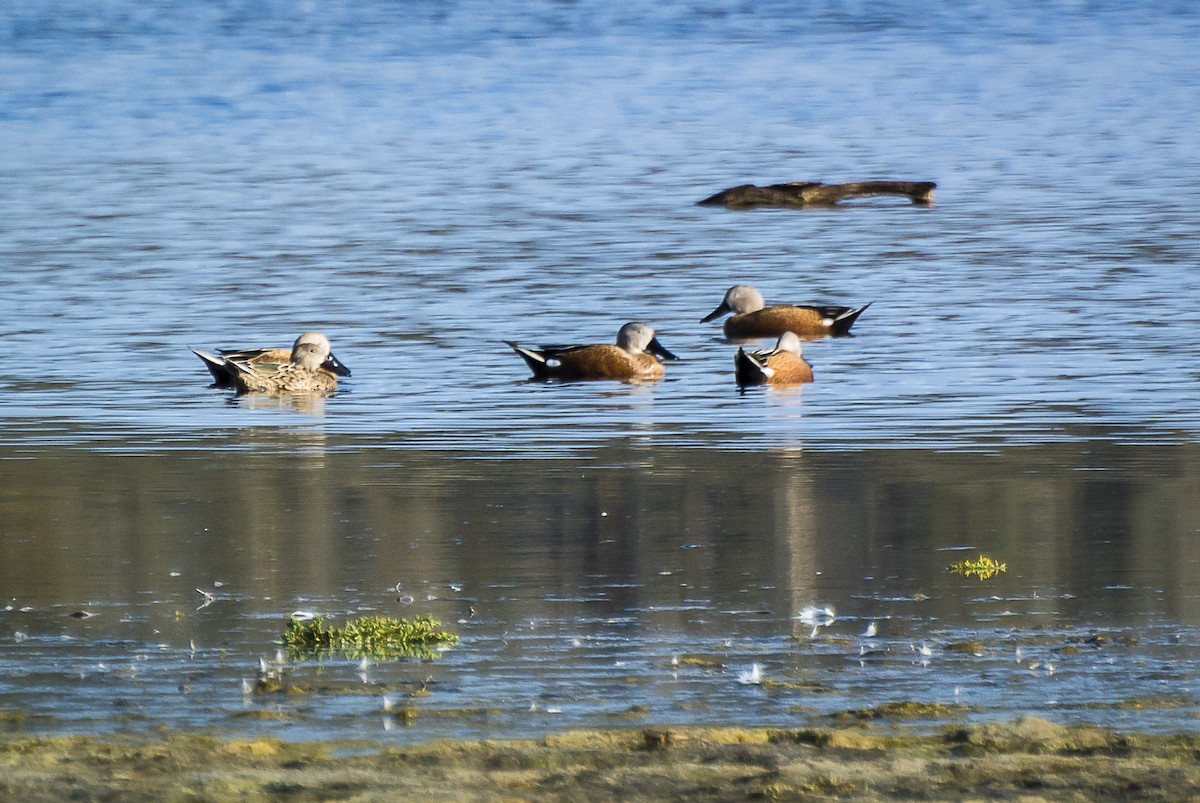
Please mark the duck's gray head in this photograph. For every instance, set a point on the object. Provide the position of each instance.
(637, 338)
(312, 350)
(313, 338)
(738, 299)
(789, 341)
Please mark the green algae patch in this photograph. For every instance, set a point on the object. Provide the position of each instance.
(907, 709)
(262, 715)
(702, 661)
(845, 738)
(281, 686)
(1035, 735)
(406, 715)
(630, 713)
(1141, 704)
(375, 637)
(821, 786)
(983, 568)
(1102, 640)
(1014, 760)
(13, 720)
(810, 686)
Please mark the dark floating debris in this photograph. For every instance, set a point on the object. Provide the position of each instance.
(813, 193)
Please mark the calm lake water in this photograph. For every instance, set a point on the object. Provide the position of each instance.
(424, 181)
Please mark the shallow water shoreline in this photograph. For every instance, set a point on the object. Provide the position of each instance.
(643, 580)
(1026, 758)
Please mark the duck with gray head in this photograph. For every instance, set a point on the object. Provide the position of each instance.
(634, 357)
(308, 367)
(752, 318)
(782, 365)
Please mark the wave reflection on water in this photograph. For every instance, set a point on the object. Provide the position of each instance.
(638, 585)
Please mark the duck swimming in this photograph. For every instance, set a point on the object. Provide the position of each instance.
(309, 367)
(634, 357)
(781, 365)
(752, 318)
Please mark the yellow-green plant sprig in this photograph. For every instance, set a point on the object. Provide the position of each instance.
(983, 568)
(378, 637)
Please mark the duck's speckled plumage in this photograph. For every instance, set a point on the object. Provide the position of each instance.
(633, 358)
(782, 365)
(308, 367)
(222, 374)
(752, 318)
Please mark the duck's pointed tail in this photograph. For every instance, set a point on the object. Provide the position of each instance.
(748, 369)
(536, 360)
(217, 366)
(843, 322)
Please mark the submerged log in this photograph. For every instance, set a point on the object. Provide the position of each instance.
(814, 193)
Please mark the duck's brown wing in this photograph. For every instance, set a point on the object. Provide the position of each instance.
(251, 355)
(789, 368)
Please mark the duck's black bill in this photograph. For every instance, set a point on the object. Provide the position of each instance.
(717, 313)
(656, 348)
(334, 366)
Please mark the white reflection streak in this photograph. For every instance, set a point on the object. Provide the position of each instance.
(818, 616)
(751, 677)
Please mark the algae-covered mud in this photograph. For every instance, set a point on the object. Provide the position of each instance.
(1028, 759)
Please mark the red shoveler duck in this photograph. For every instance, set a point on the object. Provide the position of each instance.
(781, 365)
(634, 357)
(752, 318)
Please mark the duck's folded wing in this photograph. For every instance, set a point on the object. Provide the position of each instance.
(555, 351)
(246, 355)
(825, 310)
(257, 367)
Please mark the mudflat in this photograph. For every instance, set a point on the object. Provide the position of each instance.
(1025, 759)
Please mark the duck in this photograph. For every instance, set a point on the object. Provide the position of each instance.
(308, 367)
(752, 318)
(781, 365)
(634, 357)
